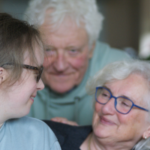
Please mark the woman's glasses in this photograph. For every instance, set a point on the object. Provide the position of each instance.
(39, 70)
(122, 104)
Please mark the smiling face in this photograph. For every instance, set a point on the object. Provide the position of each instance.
(19, 97)
(67, 55)
(112, 127)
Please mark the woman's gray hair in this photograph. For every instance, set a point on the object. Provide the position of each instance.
(119, 71)
(142, 145)
(81, 11)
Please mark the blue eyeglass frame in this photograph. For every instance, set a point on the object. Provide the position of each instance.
(115, 102)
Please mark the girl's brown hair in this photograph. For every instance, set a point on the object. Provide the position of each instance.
(16, 38)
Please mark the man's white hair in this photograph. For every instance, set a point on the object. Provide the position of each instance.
(80, 11)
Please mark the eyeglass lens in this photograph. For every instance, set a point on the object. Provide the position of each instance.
(39, 71)
(122, 104)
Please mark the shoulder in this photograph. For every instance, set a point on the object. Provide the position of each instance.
(103, 55)
(33, 126)
(64, 128)
(28, 121)
(69, 137)
(103, 48)
(34, 132)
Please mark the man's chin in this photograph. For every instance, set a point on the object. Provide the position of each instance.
(61, 89)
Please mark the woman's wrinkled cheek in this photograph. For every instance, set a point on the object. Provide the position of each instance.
(98, 107)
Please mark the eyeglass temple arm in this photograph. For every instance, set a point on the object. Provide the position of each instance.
(141, 107)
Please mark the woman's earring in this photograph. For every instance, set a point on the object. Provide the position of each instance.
(145, 137)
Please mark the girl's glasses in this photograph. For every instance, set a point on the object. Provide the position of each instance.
(40, 69)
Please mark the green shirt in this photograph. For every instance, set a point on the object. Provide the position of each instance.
(75, 105)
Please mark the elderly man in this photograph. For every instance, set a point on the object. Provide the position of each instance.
(69, 29)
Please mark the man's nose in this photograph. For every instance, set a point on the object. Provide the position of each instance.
(60, 62)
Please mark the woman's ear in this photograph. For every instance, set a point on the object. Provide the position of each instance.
(146, 134)
(3, 75)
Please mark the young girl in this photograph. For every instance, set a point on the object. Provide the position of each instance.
(21, 58)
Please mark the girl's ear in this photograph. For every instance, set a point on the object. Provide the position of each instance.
(3, 75)
(146, 134)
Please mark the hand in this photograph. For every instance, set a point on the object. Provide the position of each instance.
(64, 120)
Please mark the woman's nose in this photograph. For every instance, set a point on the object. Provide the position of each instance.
(109, 107)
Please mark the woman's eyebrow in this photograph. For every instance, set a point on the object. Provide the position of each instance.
(107, 88)
(119, 95)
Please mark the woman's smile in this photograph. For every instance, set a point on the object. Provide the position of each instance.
(105, 121)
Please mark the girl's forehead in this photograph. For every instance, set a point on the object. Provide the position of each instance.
(38, 55)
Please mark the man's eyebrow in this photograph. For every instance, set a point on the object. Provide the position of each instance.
(70, 47)
(48, 46)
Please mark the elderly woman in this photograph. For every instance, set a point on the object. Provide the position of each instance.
(121, 117)
(21, 59)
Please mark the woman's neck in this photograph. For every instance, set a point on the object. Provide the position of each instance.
(88, 144)
(91, 143)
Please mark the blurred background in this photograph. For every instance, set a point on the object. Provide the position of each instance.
(126, 25)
